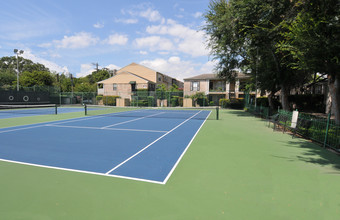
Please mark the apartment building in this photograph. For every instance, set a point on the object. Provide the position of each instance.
(133, 77)
(216, 88)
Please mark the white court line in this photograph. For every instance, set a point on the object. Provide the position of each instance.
(136, 119)
(18, 129)
(42, 124)
(180, 158)
(96, 128)
(80, 171)
(116, 167)
(93, 117)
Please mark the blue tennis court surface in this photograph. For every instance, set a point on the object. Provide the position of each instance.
(15, 113)
(142, 148)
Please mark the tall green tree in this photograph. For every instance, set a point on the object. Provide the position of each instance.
(10, 63)
(36, 78)
(7, 77)
(99, 75)
(245, 34)
(30, 73)
(313, 40)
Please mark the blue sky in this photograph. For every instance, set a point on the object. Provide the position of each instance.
(68, 36)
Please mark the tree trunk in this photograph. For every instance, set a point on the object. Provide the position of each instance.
(284, 98)
(270, 100)
(334, 89)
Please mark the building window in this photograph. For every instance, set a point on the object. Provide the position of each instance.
(195, 86)
(114, 87)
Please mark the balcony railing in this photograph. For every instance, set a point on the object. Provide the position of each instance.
(217, 90)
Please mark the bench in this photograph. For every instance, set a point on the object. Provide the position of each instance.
(302, 127)
(279, 119)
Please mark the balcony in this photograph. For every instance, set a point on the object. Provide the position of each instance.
(100, 91)
(215, 89)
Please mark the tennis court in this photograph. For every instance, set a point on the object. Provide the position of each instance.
(235, 168)
(135, 144)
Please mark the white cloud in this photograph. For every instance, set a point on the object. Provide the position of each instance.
(143, 52)
(154, 43)
(112, 67)
(45, 45)
(79, 40)
(116, 39)
(144, 10)
(188, 40)
(98, 25)
(49, 64)
(127, 21)
(85, 69)
(151, 15)
(88, 68)
(198, 15)
(177, 68)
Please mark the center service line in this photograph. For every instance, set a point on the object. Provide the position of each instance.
(116, 167)
(136, 119)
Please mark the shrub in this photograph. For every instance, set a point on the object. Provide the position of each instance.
(151, 101)
(200, 98)
(262, 101)
(180, 101)
(99, 97)
(224, 103)
(237, 103)
(174, 101)
(110, 100)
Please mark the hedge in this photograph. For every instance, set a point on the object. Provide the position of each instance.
(110, 100)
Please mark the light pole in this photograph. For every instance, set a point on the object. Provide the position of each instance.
(18, 52)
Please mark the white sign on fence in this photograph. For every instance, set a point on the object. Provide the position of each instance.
(294, 119)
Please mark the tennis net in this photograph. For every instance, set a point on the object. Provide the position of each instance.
(29, 109)
(200, 113)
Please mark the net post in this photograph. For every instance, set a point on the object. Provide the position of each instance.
(217, 113)
(85, 108)
(56, 109)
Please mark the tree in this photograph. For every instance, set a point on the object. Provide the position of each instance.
(85, 87)
(313, 40)
(245, 34)
(10, 63)
(30, 73)
(36, 78)
(7, 77)
(99, 75)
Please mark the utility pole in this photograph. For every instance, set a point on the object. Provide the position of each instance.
(18, 52)
(96, 64)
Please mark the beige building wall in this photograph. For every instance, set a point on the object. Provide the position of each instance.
(204, 87)
(120, 84)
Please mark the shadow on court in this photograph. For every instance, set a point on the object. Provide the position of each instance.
(240, 113)
(314, 154)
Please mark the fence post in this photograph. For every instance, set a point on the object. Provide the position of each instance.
(217, 113)
(327, 128)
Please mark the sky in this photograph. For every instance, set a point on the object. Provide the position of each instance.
(69, 36)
